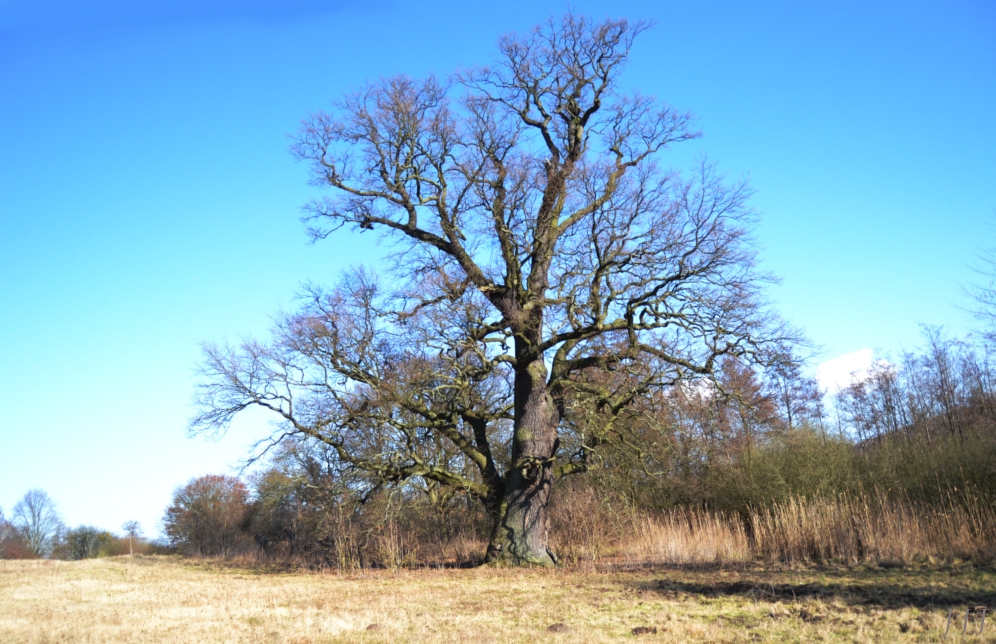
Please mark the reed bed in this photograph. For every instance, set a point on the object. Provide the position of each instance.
(869, 529)
(688, 536)
(874, 529)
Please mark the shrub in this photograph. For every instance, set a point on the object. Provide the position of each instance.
(206, 517)
(84, 542)
(13, 544)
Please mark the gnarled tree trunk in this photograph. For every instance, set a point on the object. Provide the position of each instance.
(521, 530)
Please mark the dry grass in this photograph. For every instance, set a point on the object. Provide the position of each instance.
(844, 530)
(688, 575)
(172, 600)
(875, 529)
(687, 536)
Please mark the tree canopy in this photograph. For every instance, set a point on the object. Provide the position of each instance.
(548, 273)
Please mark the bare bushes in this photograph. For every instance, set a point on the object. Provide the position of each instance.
(353, 543)
(590, 526)
(386, 530)
(396, 548)
(585, 523)
(594, 525)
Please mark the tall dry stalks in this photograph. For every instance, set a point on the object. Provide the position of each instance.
(396, 548)
(686, 536)
(874, 528)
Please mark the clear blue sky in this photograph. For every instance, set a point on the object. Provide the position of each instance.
(148, 202)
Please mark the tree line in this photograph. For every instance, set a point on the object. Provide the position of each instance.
(915, 432)
(35, 529)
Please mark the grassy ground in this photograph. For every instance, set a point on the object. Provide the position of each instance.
(152, 599)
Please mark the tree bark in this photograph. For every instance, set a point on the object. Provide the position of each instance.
(520, 532)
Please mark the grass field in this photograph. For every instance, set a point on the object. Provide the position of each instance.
(158, 599)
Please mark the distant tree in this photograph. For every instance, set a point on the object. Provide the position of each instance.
(133, 530)
(798, 397)
(206, 516)
(37, 516)
(746, 410)
(872, 406)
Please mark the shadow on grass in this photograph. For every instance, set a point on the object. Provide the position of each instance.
(256, 566)
(882, 588)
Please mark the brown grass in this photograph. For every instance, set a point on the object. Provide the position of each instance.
(875, 529)
(172, 600)
(687, 536)
(890, 571)
(844, 530)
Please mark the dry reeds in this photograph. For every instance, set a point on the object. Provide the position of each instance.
(868, 529)
(688, 536)
(874, 529)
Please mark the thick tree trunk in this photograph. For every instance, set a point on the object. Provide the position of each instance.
(520, 532)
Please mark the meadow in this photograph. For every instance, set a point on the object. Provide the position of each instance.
(170, 599)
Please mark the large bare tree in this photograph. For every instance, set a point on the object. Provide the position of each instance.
(548, 272)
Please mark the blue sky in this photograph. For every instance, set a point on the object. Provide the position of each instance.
(148, 202)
